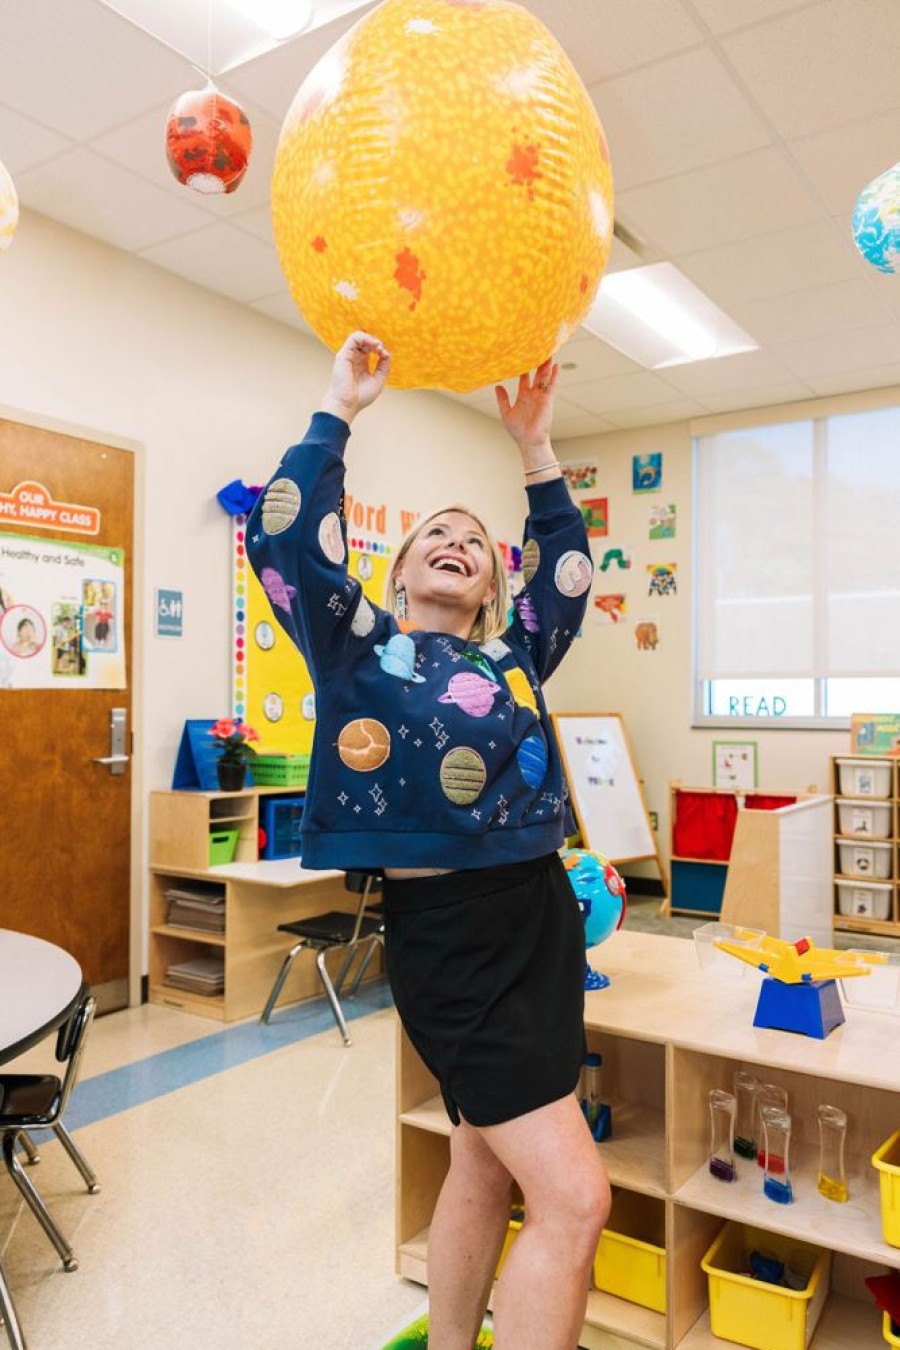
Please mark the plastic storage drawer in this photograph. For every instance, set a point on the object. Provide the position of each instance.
(864, 777)
(281, 819)
(873, 860)
(868, 820)
(864, 899)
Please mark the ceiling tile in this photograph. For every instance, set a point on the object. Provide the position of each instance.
(222, 259)
(24, 143)
(852, 381)
(83, 66)
(838, 353)
(99, 198)
(678, 410)
(141, 147)
(752, 194)
(282, 308)
(271, 81)
(568, 426)
(647, 142)
(743, 371)
(725, 15)
(801, 314)
(768, 395)
(817, 254)
(594, 360)
(641, 390)
(840, 162)
(606, 37)
(823, 65)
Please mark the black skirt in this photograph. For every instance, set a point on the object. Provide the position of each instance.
(487, 972)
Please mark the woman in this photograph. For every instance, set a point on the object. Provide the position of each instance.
(434, 762)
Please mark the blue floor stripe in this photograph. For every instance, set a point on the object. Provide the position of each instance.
(108, 1094)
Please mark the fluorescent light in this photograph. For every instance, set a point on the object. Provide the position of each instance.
(281, 19)
(659, 318)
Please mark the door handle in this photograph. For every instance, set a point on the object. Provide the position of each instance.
(116, 760)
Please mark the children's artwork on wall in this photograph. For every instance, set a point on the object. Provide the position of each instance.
(646, 472)
(619, 558)
(875, 734)
(662, 579)
(579, 477)
(611, 608)
(595, 511)
(272, 689)
(61, 620)
(646, 634)
(662, 521)
(735, 764)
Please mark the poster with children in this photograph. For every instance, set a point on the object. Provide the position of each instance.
(61, 614)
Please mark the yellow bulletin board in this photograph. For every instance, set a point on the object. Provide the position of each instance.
(271, 687)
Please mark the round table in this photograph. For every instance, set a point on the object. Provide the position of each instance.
(40, 986)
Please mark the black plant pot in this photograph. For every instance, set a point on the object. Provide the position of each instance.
(231, 776)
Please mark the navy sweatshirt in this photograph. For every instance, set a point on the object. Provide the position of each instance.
(429, 751)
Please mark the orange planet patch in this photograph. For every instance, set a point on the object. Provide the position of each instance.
(364, 744)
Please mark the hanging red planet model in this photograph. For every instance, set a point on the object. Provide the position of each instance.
(208, 140)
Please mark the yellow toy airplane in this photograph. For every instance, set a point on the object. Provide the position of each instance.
(799, 962)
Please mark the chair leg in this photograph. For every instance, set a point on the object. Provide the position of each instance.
(29, 1148)
(364, 965)
(36, 1204)
(279, 983)
(332, 996)
(77, 1157)
(8, 1316)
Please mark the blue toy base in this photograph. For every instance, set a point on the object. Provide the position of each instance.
(603, 1128)
(594, 980)
(811, 1009)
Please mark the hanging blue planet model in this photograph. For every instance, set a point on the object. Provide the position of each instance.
(600, 893)
(876, 221)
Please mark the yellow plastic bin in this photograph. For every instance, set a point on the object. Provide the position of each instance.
(892, 1337)
(517, 1218)
(887, 1160)
(631, 1256)
(753, 1313)
(222, 846)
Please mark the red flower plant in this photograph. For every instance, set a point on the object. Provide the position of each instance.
(234, 738)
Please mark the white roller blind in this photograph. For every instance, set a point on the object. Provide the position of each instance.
(798, 548)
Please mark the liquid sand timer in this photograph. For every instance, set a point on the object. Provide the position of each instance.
(832, 1136)
(746, 1087)
(767, 1094)
(590, 1089)
(721, 1122)
(776, 1126)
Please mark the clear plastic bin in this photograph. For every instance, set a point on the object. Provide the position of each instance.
(864, 777)
(712, 960)
(880, 989)
(864, 899)
(864, 820)
(868, 860)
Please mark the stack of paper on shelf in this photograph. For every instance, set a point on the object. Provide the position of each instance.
(199, 905)
(202, 975)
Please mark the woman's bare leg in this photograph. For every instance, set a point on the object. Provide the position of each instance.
(467, 1232)
(541, 1298)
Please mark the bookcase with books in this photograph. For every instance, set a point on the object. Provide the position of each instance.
(215, 905)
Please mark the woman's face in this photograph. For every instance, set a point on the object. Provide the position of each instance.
(449, 562)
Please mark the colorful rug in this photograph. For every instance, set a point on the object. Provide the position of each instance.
(415, 1337)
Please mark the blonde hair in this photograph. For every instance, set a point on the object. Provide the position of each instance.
(492, 619)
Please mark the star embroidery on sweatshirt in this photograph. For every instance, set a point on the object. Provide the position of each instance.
(343, 798)
(403, 731)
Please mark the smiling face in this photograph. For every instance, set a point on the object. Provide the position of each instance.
(449, 564)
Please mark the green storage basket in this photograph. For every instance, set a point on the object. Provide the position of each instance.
(222, 846)
(280, 770)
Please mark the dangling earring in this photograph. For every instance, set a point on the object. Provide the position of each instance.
(400, 593)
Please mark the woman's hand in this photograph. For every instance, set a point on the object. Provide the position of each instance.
(354, 384)
(528, 419)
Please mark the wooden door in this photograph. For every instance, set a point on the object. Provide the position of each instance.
(65, 842)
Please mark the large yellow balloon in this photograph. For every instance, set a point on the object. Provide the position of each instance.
(442, 180)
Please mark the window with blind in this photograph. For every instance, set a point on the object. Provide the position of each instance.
(798, 559)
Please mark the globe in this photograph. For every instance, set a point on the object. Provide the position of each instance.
(600, 893)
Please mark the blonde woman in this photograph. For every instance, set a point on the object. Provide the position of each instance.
(434, 763)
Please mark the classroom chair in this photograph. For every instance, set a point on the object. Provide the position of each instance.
(30, 1102)
(361, 933)
(8, 1318)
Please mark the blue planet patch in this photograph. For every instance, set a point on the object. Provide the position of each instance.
(398, 657)
(532, 757)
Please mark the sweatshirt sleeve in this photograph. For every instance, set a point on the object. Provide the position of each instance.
(297, 545)
(558, 570)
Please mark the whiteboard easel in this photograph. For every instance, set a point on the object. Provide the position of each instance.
(607, 797)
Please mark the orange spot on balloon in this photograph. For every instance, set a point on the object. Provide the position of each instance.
(585, 283)
(409, 275)
(319, 244)
(522, 165)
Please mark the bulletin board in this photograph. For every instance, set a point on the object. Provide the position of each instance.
(605, 789)
(271, 685)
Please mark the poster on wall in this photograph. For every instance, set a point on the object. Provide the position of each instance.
(61, 614)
